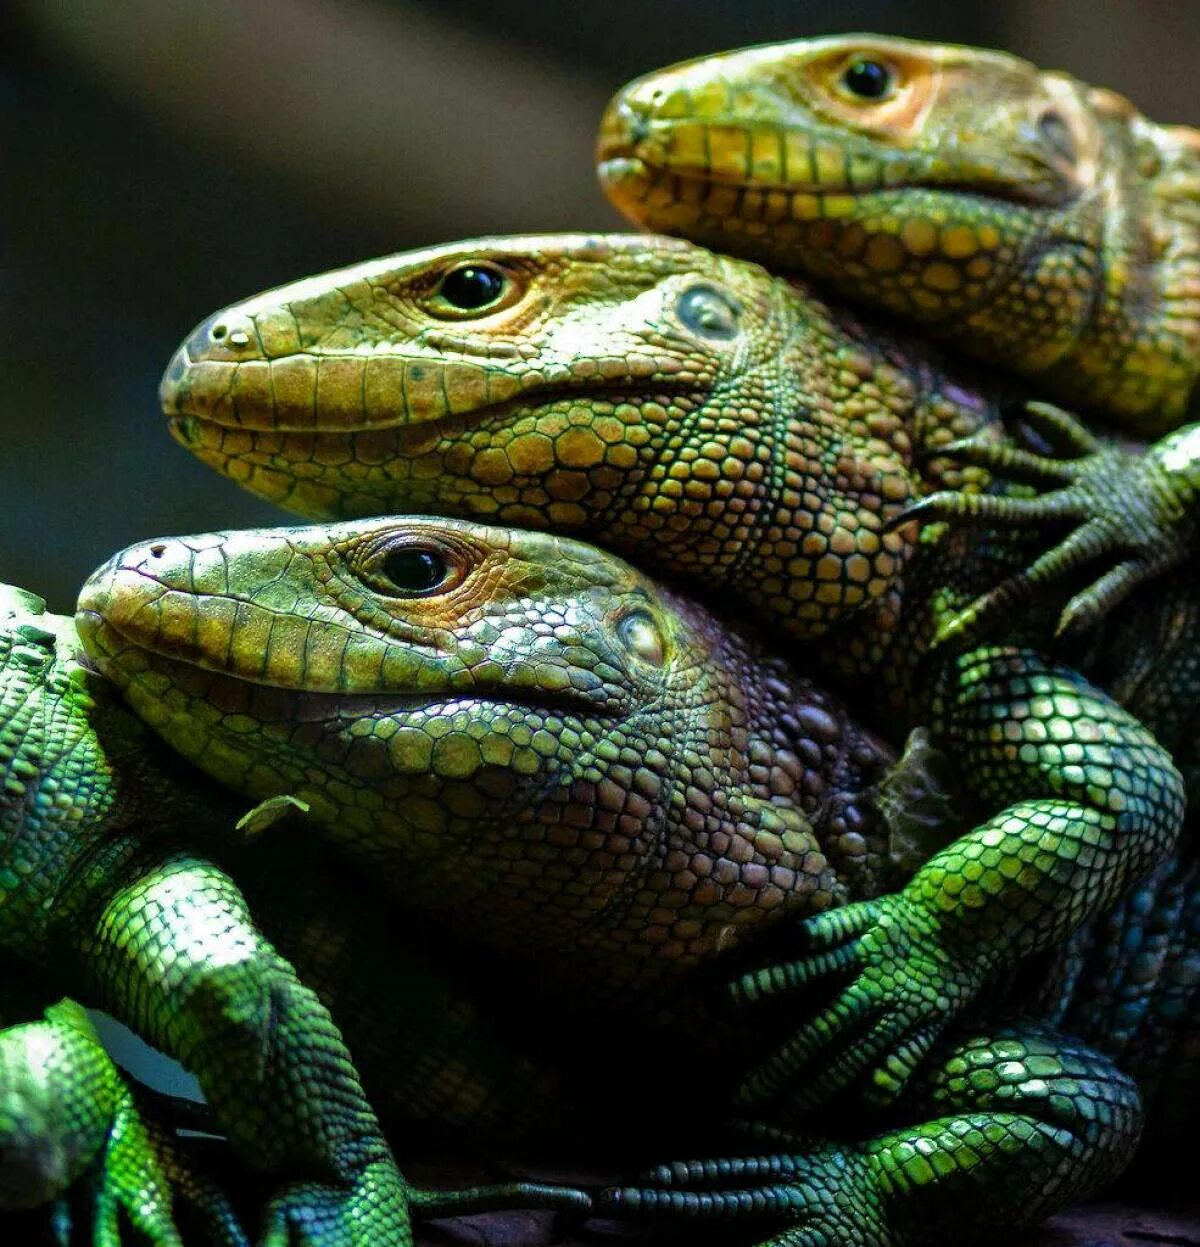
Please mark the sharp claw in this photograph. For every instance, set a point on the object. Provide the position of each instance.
(1059, 427)
(1007, 461)
(948, 450)
(962, 624)
(907, 516)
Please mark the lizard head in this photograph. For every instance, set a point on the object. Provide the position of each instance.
(510, 726)
(643, 392)
(912, 174)
(409, 368)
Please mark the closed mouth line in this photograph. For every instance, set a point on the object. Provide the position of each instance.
(709, 177)
(533, 397)
(549, 702)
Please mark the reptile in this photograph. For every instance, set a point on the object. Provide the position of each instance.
(1021, 215)
(1061, 240)
(732, 429)
(550, 758)
(105, 897)
(87, 1153)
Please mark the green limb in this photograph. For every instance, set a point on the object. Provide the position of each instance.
(71, 1136)
(176, 956)
(1021, 1121)
(1090, 801)
(59, 1093)
(1137, 509)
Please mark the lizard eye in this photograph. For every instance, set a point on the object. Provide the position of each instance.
(642, 636)
(409, 563)
(472, 289)
(411, 571)
(1053, 128)
(708, 311)
(868, 79)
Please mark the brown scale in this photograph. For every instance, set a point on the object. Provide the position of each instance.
(580, 771)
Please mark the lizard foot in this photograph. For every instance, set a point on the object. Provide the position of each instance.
(1136, 509)
(372, 1212)
(131, 1194)
(905, 987)
(129, 1185)
(74, 1140)
(824, 1198)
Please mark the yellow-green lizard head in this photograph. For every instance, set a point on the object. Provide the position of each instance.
(1031, 219)
(641, 391)
(506, 724)
(874, 162)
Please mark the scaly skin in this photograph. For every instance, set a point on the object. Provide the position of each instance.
(81, 1155)
(792, 793)
(621, 862)
(727, 427)
(100, 896)
(59, 1088)
(1129, 984)
(563, 764)
(1061, 239)
(529, 792)
(1024, 216)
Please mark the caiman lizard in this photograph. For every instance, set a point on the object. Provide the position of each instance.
(731, 428)
(545, 755)
(1020, 215)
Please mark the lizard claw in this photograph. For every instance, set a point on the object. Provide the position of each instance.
(823, 1197)
(1139, 508)
(905, 987)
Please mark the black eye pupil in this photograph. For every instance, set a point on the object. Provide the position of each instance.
(868, 79)
(471, 287)
(414, 570)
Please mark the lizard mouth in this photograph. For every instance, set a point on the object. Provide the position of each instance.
(126, 657)
(626, 166)
(190, 408)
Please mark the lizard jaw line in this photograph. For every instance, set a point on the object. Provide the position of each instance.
(617, 170)
(181, 417)
(111, 668)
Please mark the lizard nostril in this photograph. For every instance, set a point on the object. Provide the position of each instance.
(237, 337)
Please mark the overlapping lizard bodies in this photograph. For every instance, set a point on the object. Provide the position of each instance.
(703, 792)
(1029, 218)
(1003, 1110)
(752, 436)
(91, 820)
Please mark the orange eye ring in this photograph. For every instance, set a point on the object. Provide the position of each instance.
(412, 564)
(471, 289)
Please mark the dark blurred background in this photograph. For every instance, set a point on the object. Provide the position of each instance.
(159, 159)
